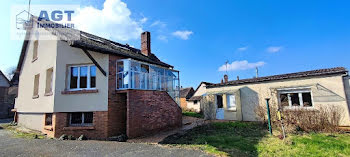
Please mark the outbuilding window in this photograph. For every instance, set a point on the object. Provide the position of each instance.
(231, 102)
(81, 118)
(82, 77)
(295, 98)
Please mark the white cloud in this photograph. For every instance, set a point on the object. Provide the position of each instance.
(241, 65)
(162, 37)
(242, 48)
(112, 22)
(158, 23)
(143, 20)
(184, 35)
(274, 49)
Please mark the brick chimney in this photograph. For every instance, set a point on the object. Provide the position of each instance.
(225, 78)
(146, 43)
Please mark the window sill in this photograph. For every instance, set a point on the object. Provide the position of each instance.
(49, 128)
(34, 59)
(232, 110)
(79, 128)
(83, 91)
(48, 94)
(35, 96)
(299, 109)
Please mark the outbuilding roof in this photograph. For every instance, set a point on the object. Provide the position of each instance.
(318, 72)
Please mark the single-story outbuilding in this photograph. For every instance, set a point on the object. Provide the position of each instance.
(309, 90)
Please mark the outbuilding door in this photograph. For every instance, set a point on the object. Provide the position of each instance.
(220, 107)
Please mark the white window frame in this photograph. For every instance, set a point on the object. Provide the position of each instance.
(228, 104)
(88, 87)
(82, 120)
(300, 91)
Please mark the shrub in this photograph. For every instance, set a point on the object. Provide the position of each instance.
(323, 119)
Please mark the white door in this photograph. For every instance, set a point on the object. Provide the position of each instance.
(220, 113)
(219, 109)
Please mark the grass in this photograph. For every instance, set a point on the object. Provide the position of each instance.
(20, 134)
(192, 114)
(252, 139)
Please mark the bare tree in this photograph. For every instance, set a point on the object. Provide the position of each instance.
(10, 72)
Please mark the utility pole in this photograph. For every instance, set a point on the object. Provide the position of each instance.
(226, 66)
(28, 10)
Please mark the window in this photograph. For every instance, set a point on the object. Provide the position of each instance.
(231, 102)
(82, 77)
(36, 86)
(298, 98)
(195, 102)
(48, 88)
(48, 119)
(81, 118)
(35, 50)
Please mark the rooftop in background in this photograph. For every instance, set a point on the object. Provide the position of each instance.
(186, 92)
(319, 72)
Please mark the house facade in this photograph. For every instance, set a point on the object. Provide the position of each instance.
(5, 104)
(194, 102)
(185, 94)
(309, 90)
(94, 87)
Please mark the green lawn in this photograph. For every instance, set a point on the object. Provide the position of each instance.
(252, 139)
(192, 114)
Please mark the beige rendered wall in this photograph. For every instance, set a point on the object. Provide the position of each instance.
(325, 91)
(46, 59)
(195, 107)
(33, 121)
(200, 91)
(79, 102)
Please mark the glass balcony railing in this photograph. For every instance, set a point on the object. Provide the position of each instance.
(133, 74)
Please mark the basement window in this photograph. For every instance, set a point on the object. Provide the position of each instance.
(81, 119)
(48, 119)
(82, 77)
(295, 98)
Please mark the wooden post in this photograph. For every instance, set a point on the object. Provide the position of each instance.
(268, 115)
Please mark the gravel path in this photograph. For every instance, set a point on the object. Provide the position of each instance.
(10, 146)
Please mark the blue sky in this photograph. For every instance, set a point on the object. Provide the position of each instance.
(278, 36)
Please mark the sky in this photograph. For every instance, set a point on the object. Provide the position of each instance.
(206, 39)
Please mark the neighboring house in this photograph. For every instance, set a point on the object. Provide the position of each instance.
(185, 94)
(194, 102)
(5, 105)
(94, 86)
(310, 90)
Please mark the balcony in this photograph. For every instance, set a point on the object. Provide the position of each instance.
(132, 74)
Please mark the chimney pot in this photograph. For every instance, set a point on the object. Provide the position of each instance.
(146, 43)
(225, 78)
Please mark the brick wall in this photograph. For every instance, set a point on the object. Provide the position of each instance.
(150, 112)
(183, 103)
(116, 102)
(60, 126)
